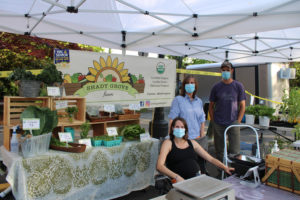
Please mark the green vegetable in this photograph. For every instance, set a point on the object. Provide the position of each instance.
(74, 77)
(108, 78)
(104, 137)
(134, 79)
(56, 142)
(132, 132)
(48, 119)
(85, 127)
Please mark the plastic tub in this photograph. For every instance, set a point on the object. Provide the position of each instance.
(36, 145)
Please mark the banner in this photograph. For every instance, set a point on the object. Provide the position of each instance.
(107, 78)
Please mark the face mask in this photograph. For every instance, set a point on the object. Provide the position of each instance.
(226, 75)
(189, 88)
(179, 132)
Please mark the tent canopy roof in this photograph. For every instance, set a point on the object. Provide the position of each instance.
(203, 29)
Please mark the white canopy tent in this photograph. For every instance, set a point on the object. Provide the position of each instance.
(197, 28)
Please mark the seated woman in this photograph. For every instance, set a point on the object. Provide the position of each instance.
(178, 155)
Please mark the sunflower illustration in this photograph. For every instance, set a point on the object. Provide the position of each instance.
(109, 71)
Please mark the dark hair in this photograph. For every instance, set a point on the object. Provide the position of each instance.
(226, 63)
(185, 82)
(185, 126)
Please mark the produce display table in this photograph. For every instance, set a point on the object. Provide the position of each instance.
(262, 192)
(98, 173)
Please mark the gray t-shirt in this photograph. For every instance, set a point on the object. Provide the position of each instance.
(227, 98)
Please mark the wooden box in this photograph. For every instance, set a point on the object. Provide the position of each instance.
(13, 107)
(63, 119)
(129, 114)
(283, 170)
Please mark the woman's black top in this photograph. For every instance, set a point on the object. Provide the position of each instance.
(183, 161)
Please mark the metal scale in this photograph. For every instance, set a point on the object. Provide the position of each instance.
(253, 165)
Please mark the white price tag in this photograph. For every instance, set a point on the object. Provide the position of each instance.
(144, 137)
(61, 104)
(65, 137)
(251, 100)
(111, 131)
(109, 108)
(86, 141)
(53, 91)
(134, 106)
(31, 123)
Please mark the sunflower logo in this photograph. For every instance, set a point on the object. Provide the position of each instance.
(108, 71)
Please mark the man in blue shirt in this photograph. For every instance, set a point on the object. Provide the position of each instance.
(226, 107)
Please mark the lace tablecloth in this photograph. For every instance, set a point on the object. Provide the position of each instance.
(98, 173)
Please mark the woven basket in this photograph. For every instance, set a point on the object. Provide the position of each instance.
(139, 87)
(71, 88)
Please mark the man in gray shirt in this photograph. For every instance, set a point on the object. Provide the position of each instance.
(226, 107)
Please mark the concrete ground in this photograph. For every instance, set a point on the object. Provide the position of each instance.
(247, 136)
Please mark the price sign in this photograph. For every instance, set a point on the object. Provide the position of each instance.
(87, 142)
(112, 131)
(134, 106)
(53, 91)
(31, 123)
(109, 108)
(145, 137)
(65, 137)
(61, 104)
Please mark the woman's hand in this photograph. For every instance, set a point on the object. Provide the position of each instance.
(179, 178)
(228, 170)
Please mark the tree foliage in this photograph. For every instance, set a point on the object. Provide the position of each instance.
(295, 82)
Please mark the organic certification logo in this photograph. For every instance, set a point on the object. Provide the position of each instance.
(160, 68)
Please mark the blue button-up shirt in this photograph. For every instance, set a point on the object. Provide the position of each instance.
(191, 111)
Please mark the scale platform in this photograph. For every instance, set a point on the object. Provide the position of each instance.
(201, 188)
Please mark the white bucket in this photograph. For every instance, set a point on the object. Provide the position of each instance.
(250, 119)
(264, 121)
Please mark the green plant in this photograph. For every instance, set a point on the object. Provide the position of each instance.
(50, 75)
(71, 112)
(21, 74)
(48, 119)
(290, 106)
(85, 127)
(267, 111)
(252, 110)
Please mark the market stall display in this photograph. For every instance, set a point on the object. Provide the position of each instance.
(98, 173)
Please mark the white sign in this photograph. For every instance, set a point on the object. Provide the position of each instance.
(134, 107)
(31, 124)
(111, 131)
(144, 137)
(53, 91)
(61, 105)
(123, 80)
(109, 108)
(65, 137)
(86, 141)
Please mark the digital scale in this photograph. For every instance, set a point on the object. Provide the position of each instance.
(201, 188)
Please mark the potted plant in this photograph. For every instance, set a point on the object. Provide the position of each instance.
(71, 111)
(250, 113)
(50, 76)
(265, 114)
(85, 127)
(37, 141)
(29, 84)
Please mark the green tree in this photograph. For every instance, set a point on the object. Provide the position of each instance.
(295, 82)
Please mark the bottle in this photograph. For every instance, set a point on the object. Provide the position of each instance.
(14, 143)
(275, 147)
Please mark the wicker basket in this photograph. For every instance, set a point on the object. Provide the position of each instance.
(139, 87)
(71, 88)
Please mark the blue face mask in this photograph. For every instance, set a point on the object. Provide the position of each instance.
(189, 88)
(179, 132)
(226, 75)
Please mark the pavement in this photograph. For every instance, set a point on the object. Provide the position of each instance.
(247, 136)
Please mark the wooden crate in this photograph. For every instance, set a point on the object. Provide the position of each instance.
(78, 102)
(283, 170)
(13, 107)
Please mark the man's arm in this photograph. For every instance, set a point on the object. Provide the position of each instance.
(242, 105)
